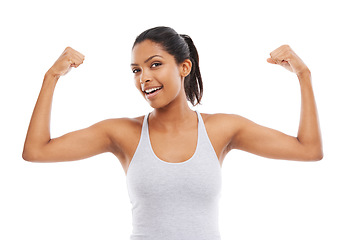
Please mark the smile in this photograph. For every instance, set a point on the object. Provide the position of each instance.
(150, 93)
(152, 90)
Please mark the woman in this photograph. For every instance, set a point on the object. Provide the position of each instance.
(173, 155)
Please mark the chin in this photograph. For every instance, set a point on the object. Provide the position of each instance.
(156, 105)
(162, 102)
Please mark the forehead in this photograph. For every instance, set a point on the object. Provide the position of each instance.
(145, 49)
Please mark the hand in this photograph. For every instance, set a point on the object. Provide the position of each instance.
(69, 58)
(287, 58)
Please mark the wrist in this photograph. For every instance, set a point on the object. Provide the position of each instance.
(305, 74)
(51, 74)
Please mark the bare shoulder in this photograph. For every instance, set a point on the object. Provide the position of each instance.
(126, 122)
(125, 133)
(222, 121)
(118, 128)
(221, 129)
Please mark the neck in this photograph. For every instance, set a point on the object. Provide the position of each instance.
(172, 117)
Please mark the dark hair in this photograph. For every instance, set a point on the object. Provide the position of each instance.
(181, 46)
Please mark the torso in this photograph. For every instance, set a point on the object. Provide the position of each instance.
(185, 141)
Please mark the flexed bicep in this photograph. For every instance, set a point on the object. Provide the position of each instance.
(268, 142)
(74, 145)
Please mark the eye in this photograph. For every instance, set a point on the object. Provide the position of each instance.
(135, 70)
(156, 64)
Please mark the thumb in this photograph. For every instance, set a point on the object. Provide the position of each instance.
(270, 60)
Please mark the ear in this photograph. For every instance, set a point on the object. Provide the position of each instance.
(186, 67)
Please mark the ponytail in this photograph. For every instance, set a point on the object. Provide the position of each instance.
(193, 82)
(180, 46)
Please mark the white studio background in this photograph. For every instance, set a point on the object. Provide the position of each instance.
(87, 199)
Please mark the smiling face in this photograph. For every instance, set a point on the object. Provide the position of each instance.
(156, 72)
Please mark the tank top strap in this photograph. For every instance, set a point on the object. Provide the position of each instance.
(204, 140)
(145, 125)
(143, 145)
(144, 132)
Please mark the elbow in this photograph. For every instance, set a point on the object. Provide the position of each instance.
(316, 156)
(319, 153)
(320, 156)
(30, 156)
(311, 152)
(27, 157)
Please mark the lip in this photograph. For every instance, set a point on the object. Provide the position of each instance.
(149, 87)
(152, 95)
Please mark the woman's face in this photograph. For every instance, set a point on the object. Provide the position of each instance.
(155, 70)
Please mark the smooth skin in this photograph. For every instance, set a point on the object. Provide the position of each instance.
(172, 124)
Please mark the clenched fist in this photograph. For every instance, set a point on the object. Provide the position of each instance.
(287, 58)
(68, 59)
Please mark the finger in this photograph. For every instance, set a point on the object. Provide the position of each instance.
(75, 61)
(277, 55)
(79, 55)
(275, 52)
(281, 53)
(270, 60)
(72, 63)
(78, 61)
(75, 65)
(74, 55)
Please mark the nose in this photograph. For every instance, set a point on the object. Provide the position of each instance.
(144, 77)
(144, 81)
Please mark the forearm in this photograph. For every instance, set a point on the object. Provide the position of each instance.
(309, 131)
(39, 127)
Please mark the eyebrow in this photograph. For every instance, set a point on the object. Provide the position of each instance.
(135, 64)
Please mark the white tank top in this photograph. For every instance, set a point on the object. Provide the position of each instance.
(175, 201)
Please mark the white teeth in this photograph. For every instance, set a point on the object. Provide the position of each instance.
(152, 89)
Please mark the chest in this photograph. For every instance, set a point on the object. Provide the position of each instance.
(174, 147)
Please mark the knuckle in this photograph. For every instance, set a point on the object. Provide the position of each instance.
(69, 59)
(286, 46)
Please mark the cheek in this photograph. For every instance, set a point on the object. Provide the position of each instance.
(176, 78)
(173, 77)
(137, 84)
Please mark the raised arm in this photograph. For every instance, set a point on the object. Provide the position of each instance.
(38, 146)
(267, 142)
